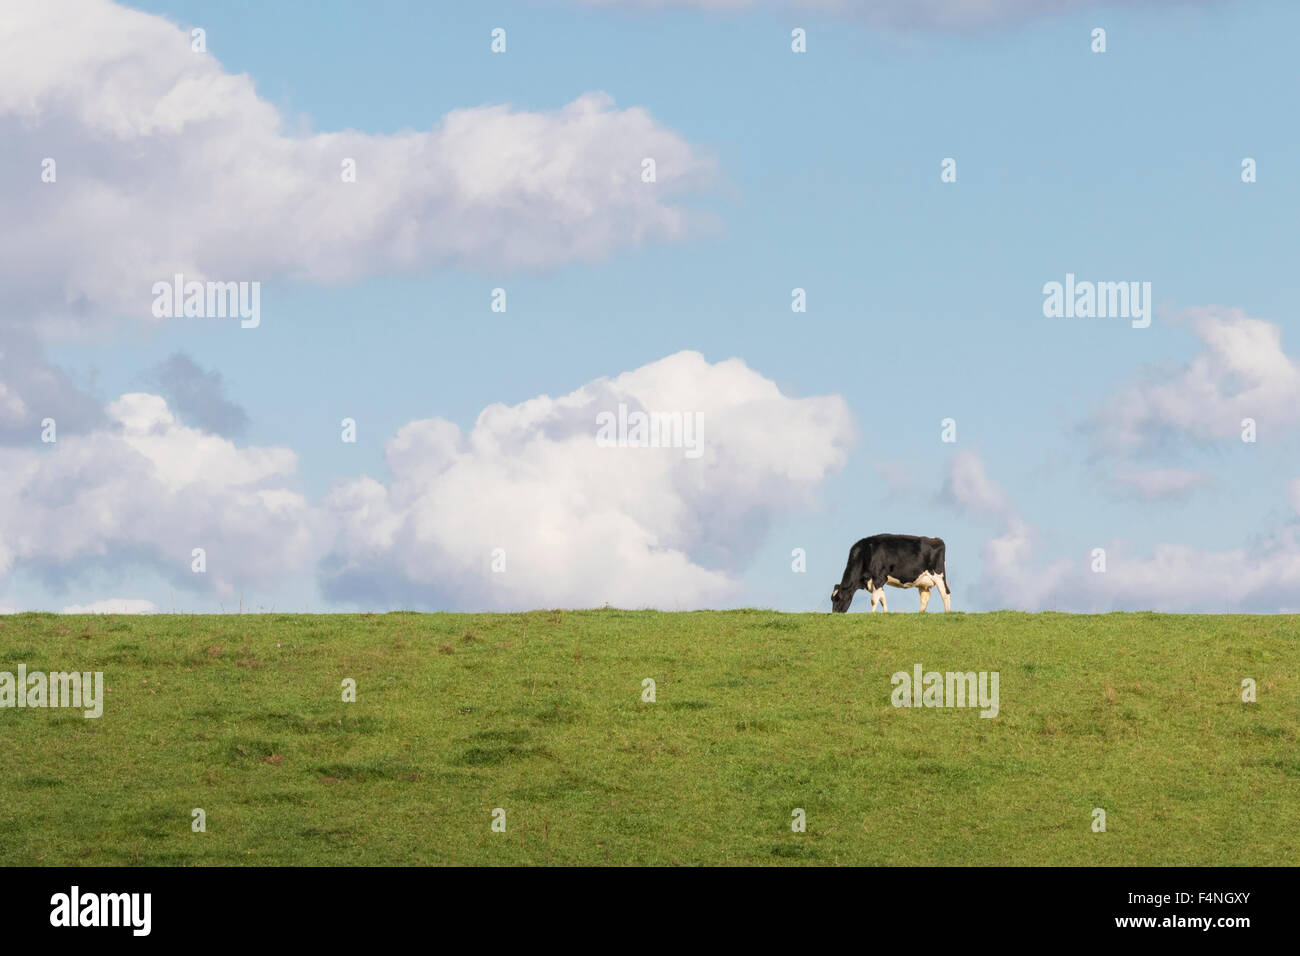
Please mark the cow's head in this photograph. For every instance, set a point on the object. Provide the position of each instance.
(841, 598)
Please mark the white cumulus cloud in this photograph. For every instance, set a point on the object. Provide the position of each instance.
(146, 489)
(578, 524)
(166, 163)
(1242, 371)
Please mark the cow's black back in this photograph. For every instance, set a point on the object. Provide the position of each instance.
(904, 557)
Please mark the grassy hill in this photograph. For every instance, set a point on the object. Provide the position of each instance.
(757, 714)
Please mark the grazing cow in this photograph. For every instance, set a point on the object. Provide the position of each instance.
(899, 560)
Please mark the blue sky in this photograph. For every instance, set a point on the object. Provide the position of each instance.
(924, 298)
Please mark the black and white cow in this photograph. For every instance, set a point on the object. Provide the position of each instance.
(899, 560)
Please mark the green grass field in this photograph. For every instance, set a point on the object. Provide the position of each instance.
(757, 714)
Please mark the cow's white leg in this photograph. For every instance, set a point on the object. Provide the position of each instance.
(879, 593)
(943, 591)
(925, 598)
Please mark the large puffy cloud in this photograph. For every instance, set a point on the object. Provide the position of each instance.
(1241, 372)
(146, 489)
(579, 523)
(167, 163)
(921, 14)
